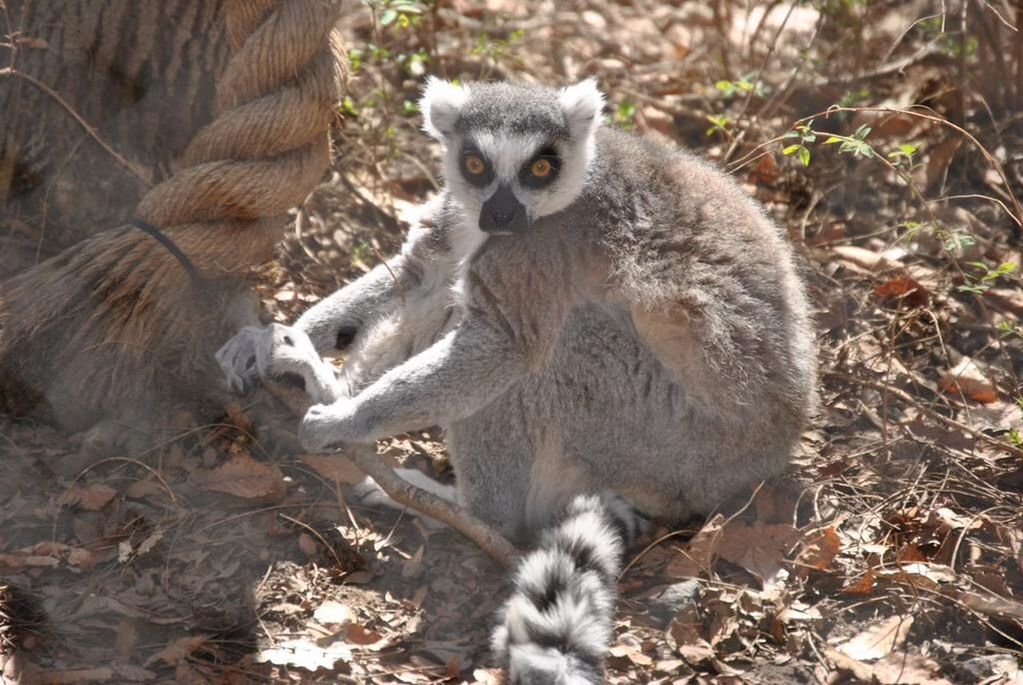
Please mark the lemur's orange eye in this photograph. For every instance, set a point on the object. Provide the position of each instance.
(475, 165)
(541, 168)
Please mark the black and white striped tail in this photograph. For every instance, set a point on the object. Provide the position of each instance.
(556, 627)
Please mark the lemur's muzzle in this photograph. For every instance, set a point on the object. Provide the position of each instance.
(503, 213)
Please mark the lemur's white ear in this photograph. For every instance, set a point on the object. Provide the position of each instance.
(582, 103)
(440, 104)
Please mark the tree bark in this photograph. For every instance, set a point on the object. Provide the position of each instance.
(140, 73)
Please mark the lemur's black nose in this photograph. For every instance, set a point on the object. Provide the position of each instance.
(502, 212)
(503, 217)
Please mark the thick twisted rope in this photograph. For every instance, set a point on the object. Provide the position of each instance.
(267, 147)
(116, 320)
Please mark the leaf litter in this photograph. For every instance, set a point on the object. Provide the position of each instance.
(894, 552)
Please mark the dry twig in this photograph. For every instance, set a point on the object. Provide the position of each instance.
(400, 490)
(403, 492)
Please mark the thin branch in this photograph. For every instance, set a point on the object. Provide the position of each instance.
(403, 492)
(142, 175)
(927, 411)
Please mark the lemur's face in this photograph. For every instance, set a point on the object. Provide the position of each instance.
(513, 152)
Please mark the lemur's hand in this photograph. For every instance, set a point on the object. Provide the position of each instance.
(326, 425)
(237, 359)
(256, 353)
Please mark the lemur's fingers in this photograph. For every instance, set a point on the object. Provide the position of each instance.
(331, 425)
(237, 359)
(289, 350)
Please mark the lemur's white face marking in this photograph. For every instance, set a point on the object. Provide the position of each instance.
(513, 153)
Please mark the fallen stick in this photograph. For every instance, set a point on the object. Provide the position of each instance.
(404, 492)
(400, 490)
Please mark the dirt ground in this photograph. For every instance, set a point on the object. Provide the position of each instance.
(885, 136)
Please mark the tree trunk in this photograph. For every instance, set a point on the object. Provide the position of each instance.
(141, 72)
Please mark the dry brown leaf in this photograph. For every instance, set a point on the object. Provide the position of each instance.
(308, 545)
(697, 556)
(967, 379)
(908, 669)
(992, 605)
(879, 640)
(1006, 299)
(819, 552)
(864, 259)
(687, 630)
(178, 650)
(334, 467)
(902, 288)
(774, 504)
(863, 586)
(799, 611)
(759, 548)
(764, 172)
(631, 653)
(91, 497)
(238, 418)
(145, 489)
(939, 159)
(243, 476)
(306, 654)
(696, 653)
(42, 554)
(331, 612)
(414, 566)
(367, 639)
(87, 559)
(921, 428)
(1014, 537)
(910, 554)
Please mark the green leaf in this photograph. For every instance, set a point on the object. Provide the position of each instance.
(957, 241)
(975, 288)
(349, 107)
(626, 110)
(804, 155)
(388, 17)
(832, 140)
(790, 149)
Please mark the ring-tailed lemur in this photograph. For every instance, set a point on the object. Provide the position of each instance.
(585, 312)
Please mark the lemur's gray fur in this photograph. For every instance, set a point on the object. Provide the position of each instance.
(620, 317)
